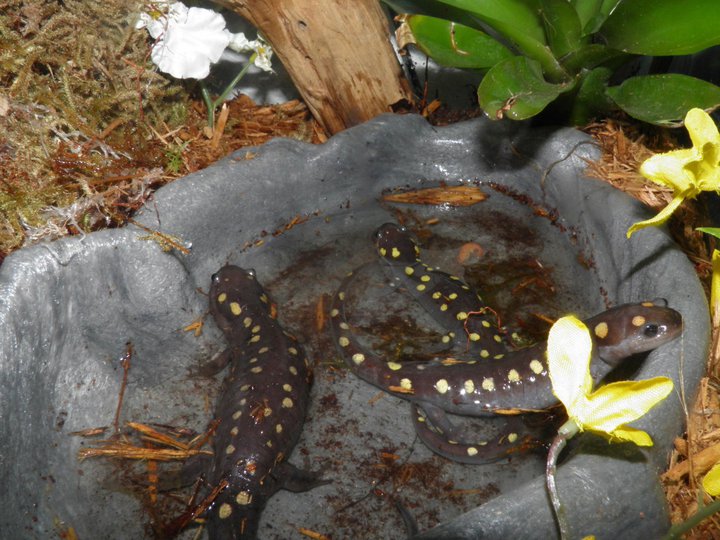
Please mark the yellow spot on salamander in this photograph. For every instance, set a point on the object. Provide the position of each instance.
(513, 376)
(497, 338)
(267, 411)
(255, 329)
(221, 297)
(234, 431)
(230, 449)
(243, 498)
(488, 384)
(512, 437)
(235, 308)
(461, 316)
(601, 330)
(474, 336)
(287, 387)
(406, 384)
(409, 270)
(245, 388)
(443, 307)
(344, 326)
(536, 367)
(293, 370)
(343, 341)
(394, 366)
(334, 312)
(382, 251)
(436, 295)
(638, 320)
(256, 369)
(445, 339)
(255, 338)
(472, 451)
(236, 415)
(341, 295)
(287, 403)
(292, 350)
(263, 298)
(224, 511)
(442, 386)
(278, 428)
(452, 296)
(647, 304)
(263, 350)
(484, 353)
(358, 358)
(425, 278)
(499, 356)
(247, 321)
(421, 287)
(469, 386)
(395, 253)
(485, 324)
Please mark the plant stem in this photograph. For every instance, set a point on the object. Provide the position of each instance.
(676, 531)
(214, 104)
(566, 431)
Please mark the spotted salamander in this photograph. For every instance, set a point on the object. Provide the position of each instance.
(261, 407)
(450, 301)
(508, 383)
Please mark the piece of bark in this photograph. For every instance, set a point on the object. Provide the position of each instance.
(338, 54)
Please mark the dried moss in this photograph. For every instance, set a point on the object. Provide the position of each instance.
(73, 73)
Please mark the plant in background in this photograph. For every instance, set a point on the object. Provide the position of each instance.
(537, 51)
(189, 40)
(605, 411)
(688, 171)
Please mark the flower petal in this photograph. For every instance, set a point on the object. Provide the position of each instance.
(703, 131)
(628, 434)
(569, 349)
(661, 217)
(711, 481)
(622, 402)
(670, 169)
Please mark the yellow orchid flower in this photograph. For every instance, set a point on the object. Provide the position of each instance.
(607, 409)
(688, 171)
(711, 481)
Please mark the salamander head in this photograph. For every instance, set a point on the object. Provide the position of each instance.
(633, 328)
(235, 299)
(395, 244)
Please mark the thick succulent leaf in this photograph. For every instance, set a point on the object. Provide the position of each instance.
(586, 11)
(664, 99)
(516, 88)
(663, 27)
(591, 99)
(562, 26)
(451, 44)
(519, 14)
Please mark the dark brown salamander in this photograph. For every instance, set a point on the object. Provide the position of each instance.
(468, 385)
(261, 407)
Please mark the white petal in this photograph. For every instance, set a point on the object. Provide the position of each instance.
(239, 43)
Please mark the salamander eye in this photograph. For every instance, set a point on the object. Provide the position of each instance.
(651, 330)
(215, 278)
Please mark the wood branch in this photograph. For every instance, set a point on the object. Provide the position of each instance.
(337, 53)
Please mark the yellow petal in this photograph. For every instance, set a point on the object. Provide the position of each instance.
(711, 482)
(628, 434)
(670, 169)
(569, 348)
(703, 131)
(660, 218)
(622, 402)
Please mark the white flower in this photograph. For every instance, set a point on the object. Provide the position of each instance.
(240, 43)
(188, 40)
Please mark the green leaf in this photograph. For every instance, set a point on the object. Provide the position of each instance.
(664, 99)
(562, 26)
(515, 88)
(591, 56)
(591, 99)
(663, 27)
(519, 14)
(586, 11)
(451, 44)
(713, 231)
